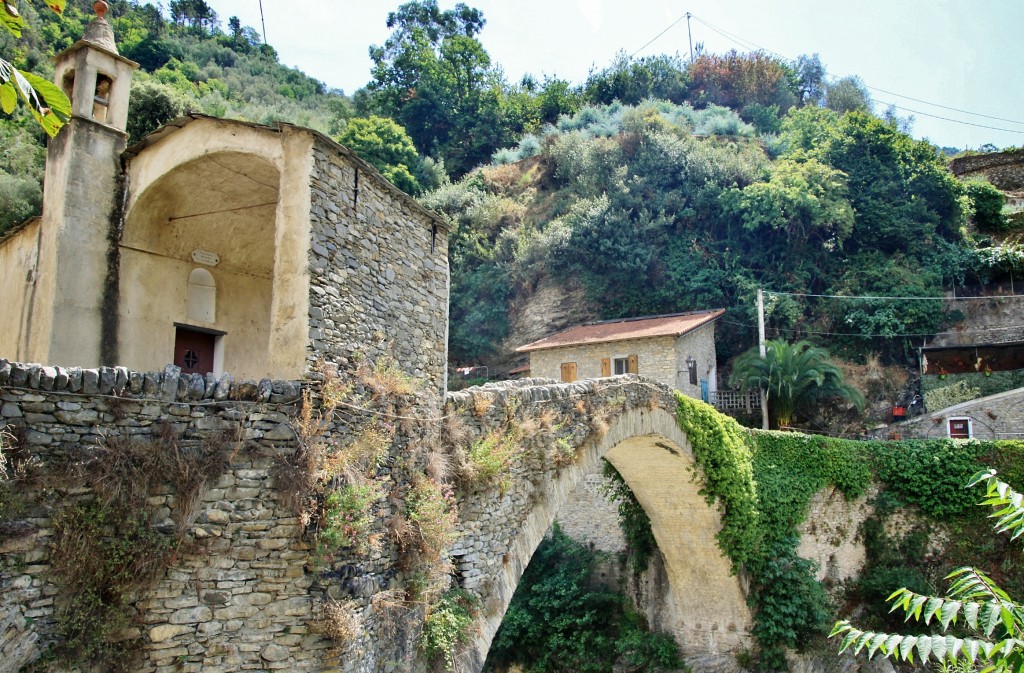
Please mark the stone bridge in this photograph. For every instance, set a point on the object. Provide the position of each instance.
(249, 589)
(1005, 170)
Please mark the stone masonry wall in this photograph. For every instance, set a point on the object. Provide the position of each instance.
(999, 416)
(1005, 170)
(248, 592)
(379, 271)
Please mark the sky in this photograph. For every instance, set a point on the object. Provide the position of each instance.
(960, 54)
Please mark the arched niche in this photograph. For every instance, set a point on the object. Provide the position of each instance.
(201, 303)
(212, 223)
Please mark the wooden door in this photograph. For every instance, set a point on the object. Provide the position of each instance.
(193, 351)
(568, 372)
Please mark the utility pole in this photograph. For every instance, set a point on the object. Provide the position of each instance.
(764, 354)
(689, 35)
(264, 22)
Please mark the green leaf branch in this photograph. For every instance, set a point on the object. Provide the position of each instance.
(974, 599)
(48, 104)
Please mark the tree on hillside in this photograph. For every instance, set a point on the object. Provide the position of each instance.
(434, 77)
(995, 620)
(47, 103)
(795, 377)
(631, 81)
(810, 76)
(194, 14)
(734, 80)
(847, 94)
(900, 189)
(387, 146)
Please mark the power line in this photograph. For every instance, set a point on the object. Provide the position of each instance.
(879, 336)
(848, 296)
(653, 39)
(944, 107)
(948, 119)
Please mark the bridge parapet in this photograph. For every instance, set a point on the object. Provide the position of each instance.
(1005, 170)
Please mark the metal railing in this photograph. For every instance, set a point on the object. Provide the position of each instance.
(735, 400)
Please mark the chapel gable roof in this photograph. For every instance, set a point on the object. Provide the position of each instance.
(176, 125)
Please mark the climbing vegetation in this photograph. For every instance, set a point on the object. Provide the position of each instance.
(105, 552)
(633, 521)
(763, 482)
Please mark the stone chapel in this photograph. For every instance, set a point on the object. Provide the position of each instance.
(216, 245)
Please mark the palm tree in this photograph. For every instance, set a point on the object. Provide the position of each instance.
(793, 376)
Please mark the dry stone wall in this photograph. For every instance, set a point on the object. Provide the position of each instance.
(249, 587)
(379, 271)
(1005, 170)
(246, 591)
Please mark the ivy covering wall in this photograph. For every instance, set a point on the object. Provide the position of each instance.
(762, 482)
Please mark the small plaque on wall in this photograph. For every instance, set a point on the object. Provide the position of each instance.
(205, 257)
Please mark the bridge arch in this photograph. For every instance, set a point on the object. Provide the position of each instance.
(708, 613)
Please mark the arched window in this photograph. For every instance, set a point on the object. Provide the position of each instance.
(202, 297)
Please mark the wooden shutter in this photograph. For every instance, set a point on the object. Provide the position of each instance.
(568, 372)
(606, 366)
(633, 364)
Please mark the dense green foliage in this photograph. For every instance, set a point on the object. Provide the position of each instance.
(661, 207)
(794, 378)
(558, 622)
(633, 521)
(994, 618)
(763, 482)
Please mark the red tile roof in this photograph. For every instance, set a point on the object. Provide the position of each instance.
(675, 324)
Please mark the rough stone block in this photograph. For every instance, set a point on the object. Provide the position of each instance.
(90, 381)
(169, 383)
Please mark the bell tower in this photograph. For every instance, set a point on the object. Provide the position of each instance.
(81, 202)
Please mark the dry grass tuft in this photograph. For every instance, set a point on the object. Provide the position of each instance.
(548, 418)
(598, 426)
(362, 458)
(338, 621)
(384, 378)
(455, 431)
(482, 403)
(439, 466)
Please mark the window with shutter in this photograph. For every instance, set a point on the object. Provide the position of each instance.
(568, 372)
(960, 428)
(606, 367)
(634, 364)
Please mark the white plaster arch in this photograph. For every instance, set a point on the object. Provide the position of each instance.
(709, 614)
(238, 194)
(171, 147)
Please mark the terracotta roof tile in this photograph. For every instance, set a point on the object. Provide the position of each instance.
(627, 328)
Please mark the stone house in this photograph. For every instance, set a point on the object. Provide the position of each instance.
(216, 245)
(677, 350)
